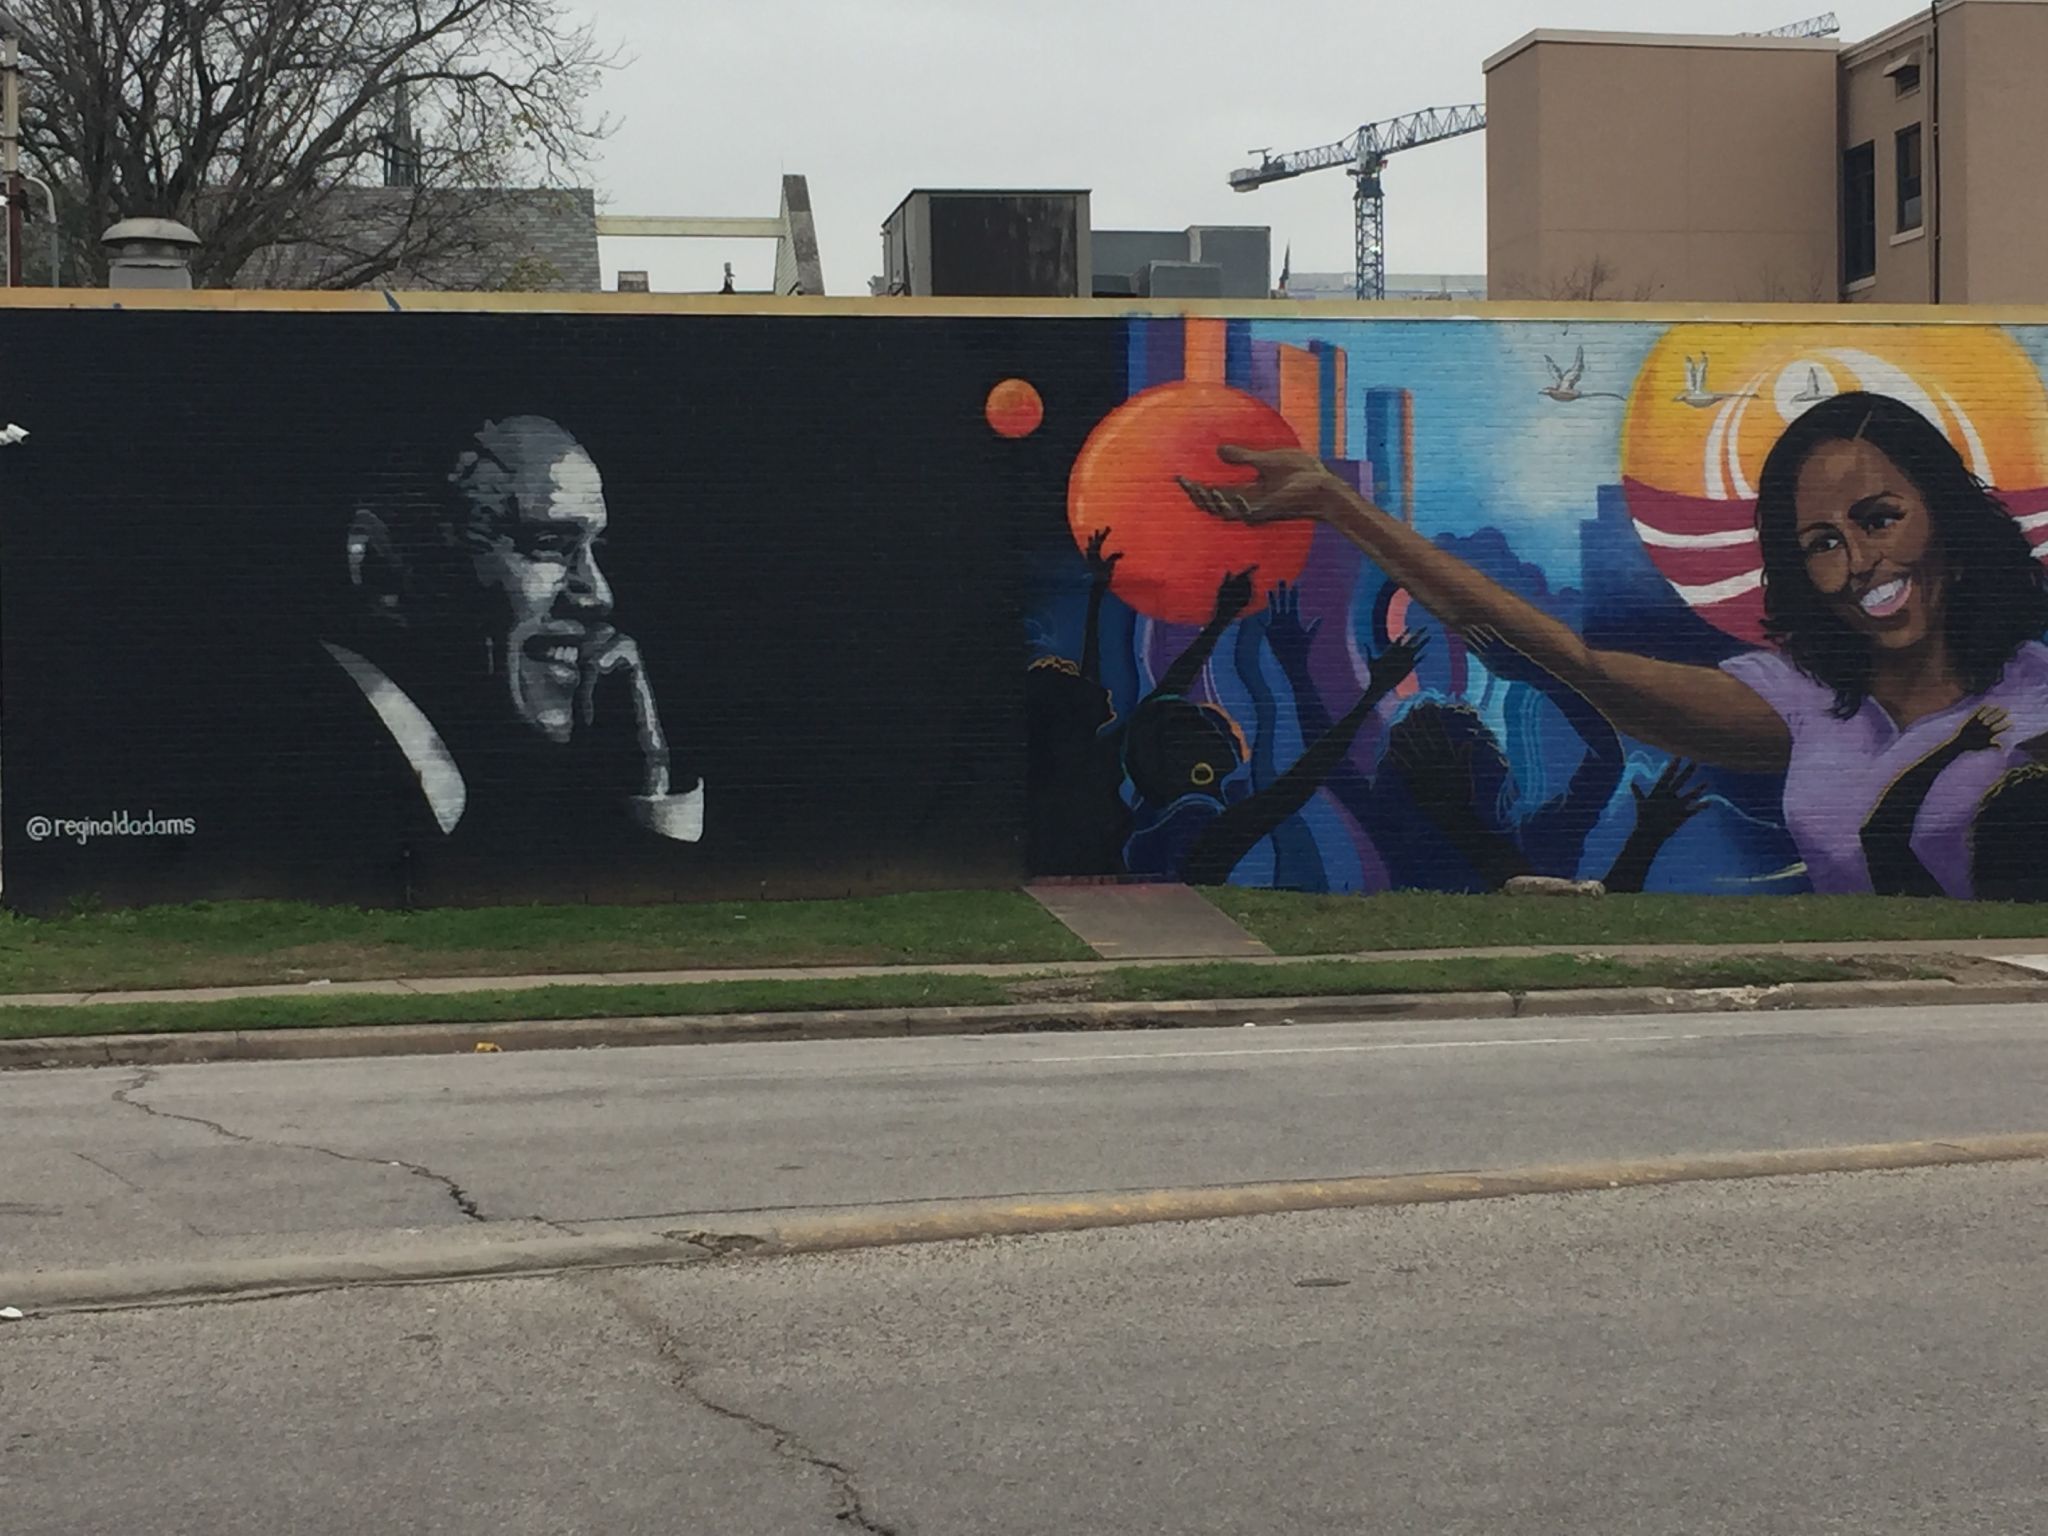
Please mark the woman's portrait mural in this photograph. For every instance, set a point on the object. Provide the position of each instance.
(1740, 608)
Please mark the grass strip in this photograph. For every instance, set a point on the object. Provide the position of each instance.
(1335, 978)
(252, 942)
(910, 990)
(1295, 924)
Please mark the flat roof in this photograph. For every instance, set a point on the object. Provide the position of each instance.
(917, 192)
(1661, 40)
(1907, 30)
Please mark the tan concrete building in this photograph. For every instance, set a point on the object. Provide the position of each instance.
(1906, 168)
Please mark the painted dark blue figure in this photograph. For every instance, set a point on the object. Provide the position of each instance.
(1440, 809)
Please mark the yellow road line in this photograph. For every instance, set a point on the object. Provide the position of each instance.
(480, 1257)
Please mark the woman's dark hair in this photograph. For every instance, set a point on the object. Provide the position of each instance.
(1997, 597)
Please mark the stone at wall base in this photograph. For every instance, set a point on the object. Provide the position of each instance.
(1550, 885)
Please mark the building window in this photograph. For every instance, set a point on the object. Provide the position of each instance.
(1859, 213)
(1906, 79)
(1907, 143)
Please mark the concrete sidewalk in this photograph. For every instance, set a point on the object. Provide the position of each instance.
(2025, 954)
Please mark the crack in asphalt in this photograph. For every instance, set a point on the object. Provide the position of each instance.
(851, 1511)
(144, 1076)
(118, 1178)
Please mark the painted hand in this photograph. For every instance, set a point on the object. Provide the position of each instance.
(619, 655)
(1101, 566)
(1286, 634)
(1671, 802)
(1291, 484)
(1981, 731)
(1393, 666)
(1233, 595)
(1503, 657)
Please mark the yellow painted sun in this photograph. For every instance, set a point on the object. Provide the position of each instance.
(1712, 399)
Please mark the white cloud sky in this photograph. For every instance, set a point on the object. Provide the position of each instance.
(1147, 105)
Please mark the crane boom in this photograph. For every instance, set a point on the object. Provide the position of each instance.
(1823, 25)
(1365, 152)
(1375, 141)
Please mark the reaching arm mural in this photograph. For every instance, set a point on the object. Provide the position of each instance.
(1820, 608)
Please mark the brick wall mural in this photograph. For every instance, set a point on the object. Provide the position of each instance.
(463, 607)
(393, 607)
(1354, 606)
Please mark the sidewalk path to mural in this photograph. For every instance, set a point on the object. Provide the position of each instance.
(1145, 922)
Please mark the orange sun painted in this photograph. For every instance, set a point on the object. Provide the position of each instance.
(1174, 554)
(1712, 400)
(1973, 381)
(1015, 409)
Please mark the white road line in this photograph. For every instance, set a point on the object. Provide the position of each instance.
(1342, 1050)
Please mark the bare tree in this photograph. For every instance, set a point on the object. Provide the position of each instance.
(1596, 280)
(1773, 287)
(264, 124)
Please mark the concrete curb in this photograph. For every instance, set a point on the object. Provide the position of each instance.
(45, 1291)
(138, 1285)
(306, 1044)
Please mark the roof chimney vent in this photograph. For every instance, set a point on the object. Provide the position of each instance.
(149, 253)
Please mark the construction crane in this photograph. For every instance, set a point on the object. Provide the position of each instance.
(1823, 25)
(1365, 153)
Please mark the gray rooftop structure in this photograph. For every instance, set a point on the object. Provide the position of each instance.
(1223, 261)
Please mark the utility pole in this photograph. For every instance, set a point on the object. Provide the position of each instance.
(1933, 190)
(10, 148)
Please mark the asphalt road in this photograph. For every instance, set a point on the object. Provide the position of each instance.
(109, 1165)
(1862, 1355)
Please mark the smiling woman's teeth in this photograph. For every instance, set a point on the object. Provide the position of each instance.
(1882, 601)
(562, 655)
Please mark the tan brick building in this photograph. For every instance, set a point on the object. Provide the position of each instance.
(1906, 168)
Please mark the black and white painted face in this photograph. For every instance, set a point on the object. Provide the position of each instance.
(538, 551)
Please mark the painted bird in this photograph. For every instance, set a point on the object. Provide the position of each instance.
(1697, 395)
(1564, 387)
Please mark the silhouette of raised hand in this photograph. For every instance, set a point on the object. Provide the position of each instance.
(1669, 803)
(1286, 634)
(1397, 662)
(1233, 595)
(1503, 657)
(1981, 731)
(1100, 565)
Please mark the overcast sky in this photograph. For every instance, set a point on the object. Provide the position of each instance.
(1145, 103)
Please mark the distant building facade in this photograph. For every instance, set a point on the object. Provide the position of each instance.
(1902, 169)
(1203, 261)
(996, 243)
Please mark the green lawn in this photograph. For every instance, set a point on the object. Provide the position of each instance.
(228, 943)
(225, 943)
(1328, 978)
(1293, 924)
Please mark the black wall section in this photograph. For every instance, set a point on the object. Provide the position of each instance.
(813, 542)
